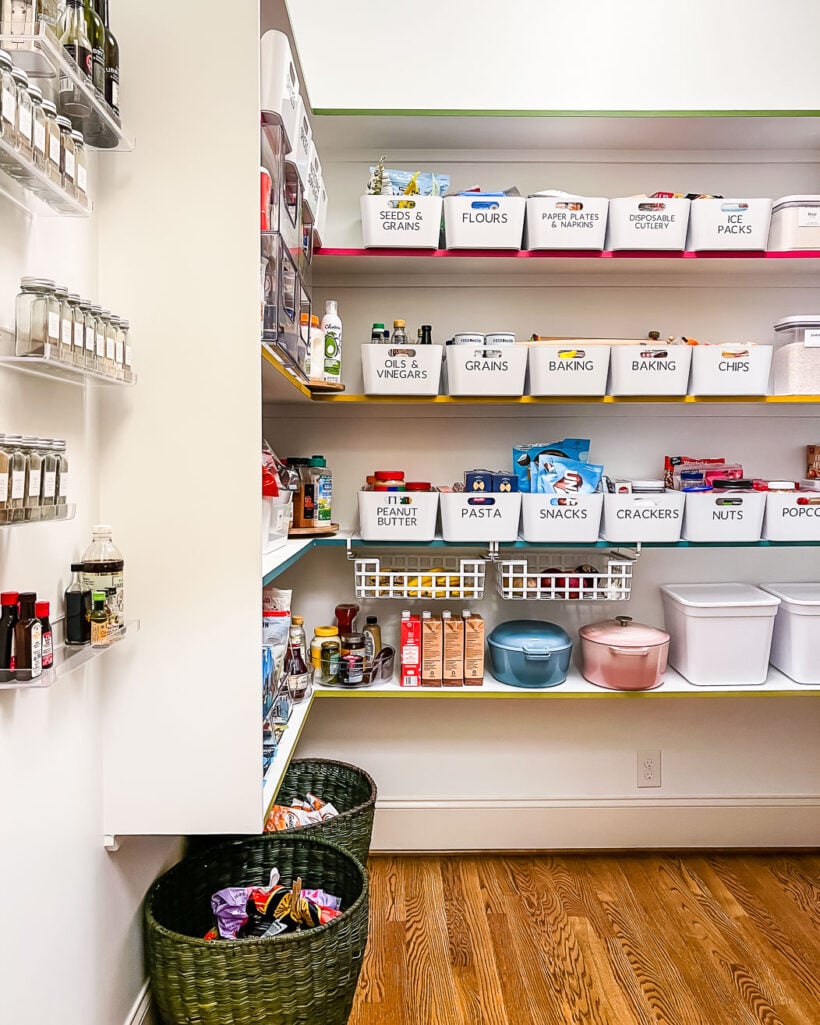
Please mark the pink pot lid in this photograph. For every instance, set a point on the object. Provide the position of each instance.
(625, 633)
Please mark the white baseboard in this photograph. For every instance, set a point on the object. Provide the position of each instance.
(142, 1013)
(597, 823)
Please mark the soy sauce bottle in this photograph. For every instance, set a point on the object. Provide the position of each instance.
(77, 610)
(28, 640)
(8, 620)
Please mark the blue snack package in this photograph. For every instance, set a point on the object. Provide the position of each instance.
(554, 474)
(525, 457)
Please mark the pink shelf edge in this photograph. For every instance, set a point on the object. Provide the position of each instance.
(573, 254)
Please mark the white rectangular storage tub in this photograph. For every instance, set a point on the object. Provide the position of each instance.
(575, 519)
(792, 516)
(480, 518)
(398, 515)
(401, 222)
(649, 369)
(723, 517)
(401, 370)
(732, 369)
(279, 84)
(796, 360)
(573, 367)
(653, 224)
(721, 634)
(484, 222)
(794, 645)
(566, 222)
(729, 224)
(630, 518)
(488, 370)
(795, 224)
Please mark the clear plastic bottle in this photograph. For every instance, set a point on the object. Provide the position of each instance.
(332, 331)
(103, 570)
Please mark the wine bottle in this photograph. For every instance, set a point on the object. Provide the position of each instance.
(96, 33)
(112, 60)
(73, 35)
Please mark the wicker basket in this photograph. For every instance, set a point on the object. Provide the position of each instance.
(294, 979)
(349, 789)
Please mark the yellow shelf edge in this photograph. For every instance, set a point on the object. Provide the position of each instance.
(476, 693)
(568, 400)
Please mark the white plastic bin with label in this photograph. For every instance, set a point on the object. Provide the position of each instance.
(795, 224)
(731, 369)
(794, 644)
(575, 519)
(401, 370)
(300, 147)
(728, 516)
(321, 216)
(484, 222)
(631, 518)
(279, 84)
(401, 222)
(792, 516)
(398, 515)
(796, 360)
(480, 518)
(729, 224)
(565, 222)
(495, 370)
(314, 182)
(649, 369)
(653, 224)
(573, 367)
(721, 634)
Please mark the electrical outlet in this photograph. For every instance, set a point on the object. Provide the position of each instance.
(649, 768)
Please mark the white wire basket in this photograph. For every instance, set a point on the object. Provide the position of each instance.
(418, 576)
(568, 576)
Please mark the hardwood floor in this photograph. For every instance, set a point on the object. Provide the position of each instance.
(723, 939)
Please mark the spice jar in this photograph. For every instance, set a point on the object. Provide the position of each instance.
(34, 478)
(128, 373)
(37, 317)
(97, 362)
(8, 100)
(24, 124)
(110, 343)
(54, 146)
(119, 350)
(68, 160)
(353, 644)
(48, 494)
(17, 479)
(321, 636)
(81, 175)
(38, 128)
(5, 467)
(77, 330)
(65, 351)
(62, 480)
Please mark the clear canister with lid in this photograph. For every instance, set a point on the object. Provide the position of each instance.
(65, 350)
(37, 318)
(54, 145)
(38, 128)
(8, 100)
(81, 160)
(77, 329)
(34, 477)
(321, 636)
(68, 161)
(24, 111)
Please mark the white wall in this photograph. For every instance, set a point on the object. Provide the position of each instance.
(532, 55)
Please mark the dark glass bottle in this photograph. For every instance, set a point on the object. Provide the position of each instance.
(112, 60)
(299, 676)
(77, 610)
(74, 38)
(426, 336)
(96, 33)
(8, 620)
(100, 634)
(28, 640)
(42, 610)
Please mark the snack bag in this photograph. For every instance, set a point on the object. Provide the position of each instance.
(554, 474)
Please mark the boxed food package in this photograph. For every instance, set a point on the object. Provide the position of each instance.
(431, 651)
(453, 675)
(473, 650)
(410, 650)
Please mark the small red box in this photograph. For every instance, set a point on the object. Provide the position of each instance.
(410, 651)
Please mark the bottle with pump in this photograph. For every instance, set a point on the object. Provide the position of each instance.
(28, 641)
(9, 601)
(103, 568)
(332, 331)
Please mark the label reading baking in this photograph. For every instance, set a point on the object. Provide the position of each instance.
(811, 338)
(18, 484)
(576, 365)
(398, 511)
(401, 368)
(54, 326)
(401, 220)
(35, 479)
(49, 483)
(808, 217)
(654, 365)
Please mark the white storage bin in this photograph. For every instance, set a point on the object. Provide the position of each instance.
(796, 626)
(279, 84)
(398, 515)
(402, 370)
(553, 518)
(709, 516)
(497, 370)
(789, 519)
(314, 182)
(636, 223)
(575, 367)
(731, 369)
(642, 517)
(300, 147)
(321, 216)
(484, 222)
(797, 357)
(649, 369)
(480, 517)
(729, 224)
(795, 224)
(401, 222)
(562, 222)
(721, 634)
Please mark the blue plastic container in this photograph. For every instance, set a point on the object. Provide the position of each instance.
(529, 653)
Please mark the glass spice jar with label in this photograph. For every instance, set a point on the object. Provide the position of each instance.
(77, 330)
(5, 471)
(91, 336)
(62, 480)
(54, 146)
(8, 100)
(48, 494)
(17, 479)
(67, 156)
(38, 128)
(125, 328)
(24, 124)
(99, 334)
(81, 171)
(110, 343)
(37, 317)
(64, 347)
(34, 477)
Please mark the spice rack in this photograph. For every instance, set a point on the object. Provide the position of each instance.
(63, 514)
(68, 660)
(41, 57)
(47, 365)
(22, 179)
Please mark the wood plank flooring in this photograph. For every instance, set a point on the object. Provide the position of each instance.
(632, 939)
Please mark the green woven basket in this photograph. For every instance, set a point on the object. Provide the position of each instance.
(348, 788)
(299, 978)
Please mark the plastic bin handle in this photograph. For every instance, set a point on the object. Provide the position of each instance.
(401, 352)
(481, 500)
(629, 651)
(404, 203)
(732, 208)
(536, 654)
(484, 204)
